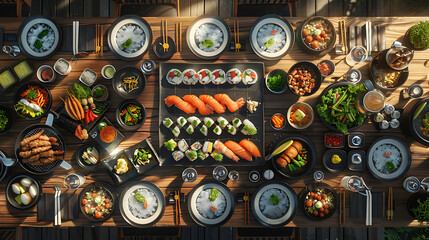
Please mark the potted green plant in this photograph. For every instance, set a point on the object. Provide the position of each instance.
(418, 36)
(418, 207)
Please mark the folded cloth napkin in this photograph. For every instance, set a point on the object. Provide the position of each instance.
(69, 207)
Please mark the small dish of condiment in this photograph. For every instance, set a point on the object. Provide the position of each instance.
(7, 79)
(334, 140)
(278, 121)
(100, 93)
(46, 74)
(108, 71)
(300, 115)
(326, 67)
(88, 77)
(335, 160)
(62, 67)
(22, 70)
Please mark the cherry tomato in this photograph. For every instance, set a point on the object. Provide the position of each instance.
(86, 209)
(309, 39)
(315, 213)
(324, 196)
(84, 201)
(98, 215)
(305, 32)
(106, 200)
(319, 38)
(321, 209)
(322, 32)
(309, 203)
(319, 26)
(94, 195)
(326, 206)
(326, 211)
(99, 208)
(324, 35)
(321, 214)
(107, 205)
(319, 197)
(315, 44)
(322, 201)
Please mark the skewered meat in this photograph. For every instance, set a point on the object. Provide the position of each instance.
(44, 138)
(29, 139)
(44, 161)
(39, 143)
(37, 158)
(34, 151)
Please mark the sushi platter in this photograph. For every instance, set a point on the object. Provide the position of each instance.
(205, 126)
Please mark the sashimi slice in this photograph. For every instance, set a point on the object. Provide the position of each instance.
(239, 150)
(251, 147)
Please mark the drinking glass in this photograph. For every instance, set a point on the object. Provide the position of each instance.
(74, 180)
(357, 55)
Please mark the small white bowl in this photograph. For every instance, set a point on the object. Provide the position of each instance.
(39, 74)
(69, 68)
(104, 68)
(89, 84)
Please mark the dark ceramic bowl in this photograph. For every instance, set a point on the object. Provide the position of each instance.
(10, 195)
(315, 72)
(108, 190)
(123, 106)
(18, 97)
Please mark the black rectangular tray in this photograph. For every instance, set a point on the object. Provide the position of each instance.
(135, 170)
(109, 147)
(255, 92)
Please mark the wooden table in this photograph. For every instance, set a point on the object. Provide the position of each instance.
(168, 178)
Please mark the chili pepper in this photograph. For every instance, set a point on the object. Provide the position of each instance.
(344, 119)
(336, 97)
(387, 154)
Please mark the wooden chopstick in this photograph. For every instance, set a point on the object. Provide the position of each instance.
(391, 203)
(180, 36)
(345, 36)
(101, 41)
(235, 36)
(238, 35)
(96, 37)
(246, 208)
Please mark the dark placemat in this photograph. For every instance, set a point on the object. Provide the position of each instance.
(86, 39)
(357, 37)
(69, 207)
(359, 201)
(109, 147)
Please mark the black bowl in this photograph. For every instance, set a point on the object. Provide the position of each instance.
(301, 40)
(312, 188)
(159, 50)
(128, 71)
(10, 195)
(8, 112)
(24, 87)
(82, 162)
(122, 106)
(327, 163)
(108, 189)
(412, 201)
(311, 67)
(311, 158)
(413, 125)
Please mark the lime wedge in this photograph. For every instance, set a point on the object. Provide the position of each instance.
(282, 148)
(269, 43)
(419, 110)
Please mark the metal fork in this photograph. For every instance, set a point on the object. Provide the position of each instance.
(57, 207)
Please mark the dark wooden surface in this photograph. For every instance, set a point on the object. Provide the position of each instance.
(168, 179)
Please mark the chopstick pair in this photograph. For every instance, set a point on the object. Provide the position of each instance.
(237, 45)
(246, 207)
(343, 37)
(390, 204)
(179, 36)
(342, 197)
(99, 38)
(164, 35)
(178, 212)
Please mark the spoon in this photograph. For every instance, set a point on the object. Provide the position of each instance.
(8, 162)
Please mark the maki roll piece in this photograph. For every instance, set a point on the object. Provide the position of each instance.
(194, 121)
(222, 122)
(250, 76)
(191, 155)
(190, 77)
(202, 155)
(205, 76)
(208, 147)
(167, 122)
(218, 77)
(204, 130)
(176, 131)
(174, 76)
(170, 145)
(190, 129)
(183, 145)
(249, 128)
(208, 122)
(231, 129)
(178, 155)
(196, 146)
(236, 122)
(233, 76)
(217, 156)
(217, 130)
(181, 121)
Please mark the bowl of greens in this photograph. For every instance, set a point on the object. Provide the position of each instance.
(131, 114)
(276, 81)
(6, 118)
(100, 93)
(337, 107)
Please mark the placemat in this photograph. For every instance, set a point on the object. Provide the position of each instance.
(69, 207)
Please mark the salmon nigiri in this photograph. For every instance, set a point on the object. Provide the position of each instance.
(203, 108)
(251, 147)
(232, 106)
(219, 108)
(218, 145)
(182, 105)
(239, 150)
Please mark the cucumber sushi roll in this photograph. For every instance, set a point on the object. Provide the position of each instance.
(191, 155)
(204, 130)
(208, 122)
(194, 121)
(222, 122)
(202, 155)
(231, 129)
(249, 128)
(196, 146)
(236, 122)
(190, 129)
(205, 76)
(167, 122)
(190, 77)
(176, 131)
(217, 130)
(250, 76)
(233, 76)
(218, 77)
(181, 121)
(178, 155)
(174, 76)
(183, 145)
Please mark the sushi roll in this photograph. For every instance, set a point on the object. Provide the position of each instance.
(236, 122)
(167, 122)
(233, 76)
(208, 122)
(217, 130)
(174, 76)
(204, 130)
(218, 77)
(190, 129)
(190, 77)
(181, 121)
(208, 147)
(249, 128)
(178, 155)
(222, 122)
(170, 145)
(202, 155)
(205, 76)
(231, 129)
(217, 156)
(191, 155)
(250, 76)
(194, 121)
(176, 131)
(183, 145)
(196, 146)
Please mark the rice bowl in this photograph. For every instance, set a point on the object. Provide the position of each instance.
(131, 32)
(137, 208)
(204, 205)
(268, 208)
